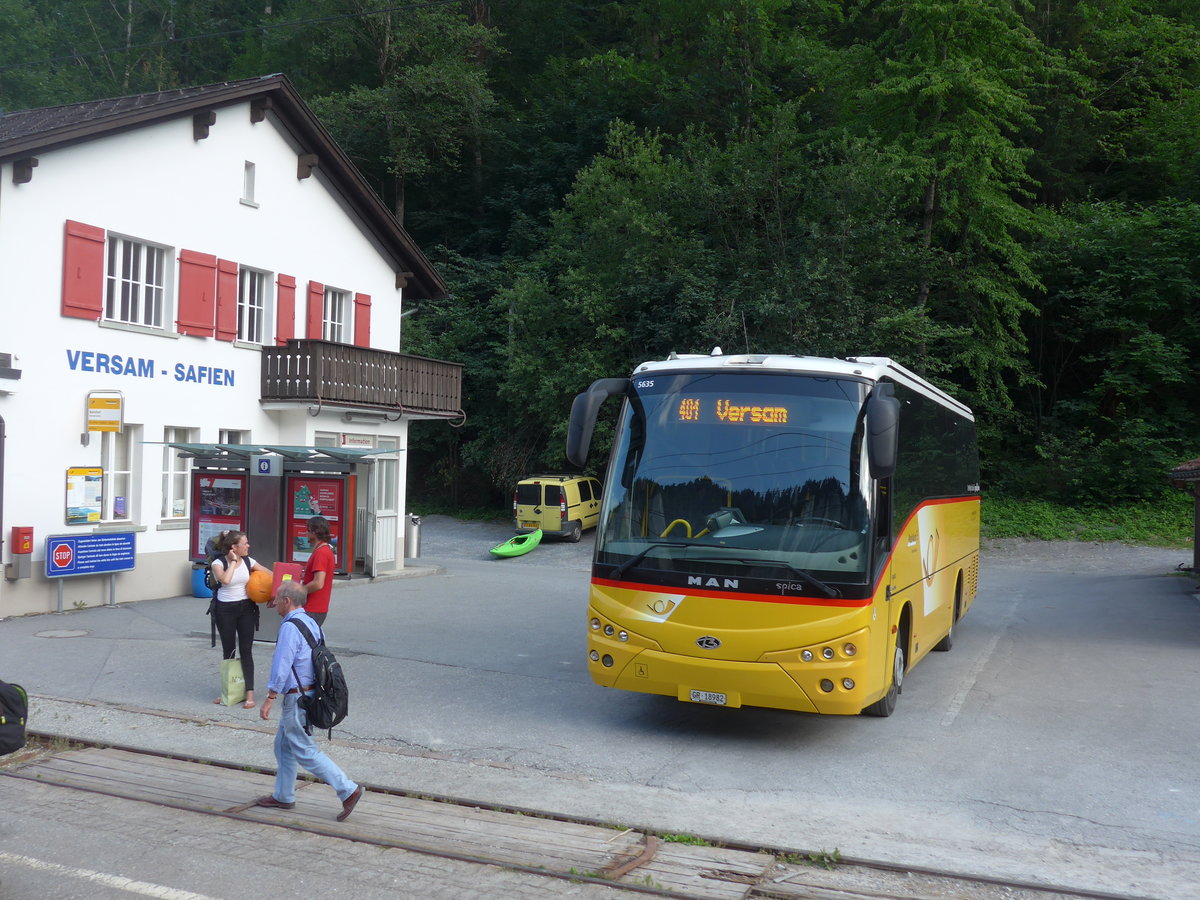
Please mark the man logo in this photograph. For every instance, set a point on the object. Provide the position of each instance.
(708, 642)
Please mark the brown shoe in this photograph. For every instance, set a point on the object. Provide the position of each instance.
(349, 803)
(270, 802)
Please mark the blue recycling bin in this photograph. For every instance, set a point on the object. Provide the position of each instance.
(199, 589)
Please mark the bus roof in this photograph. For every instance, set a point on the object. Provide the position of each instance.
(862, 368)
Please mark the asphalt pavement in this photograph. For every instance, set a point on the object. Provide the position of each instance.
(142, 676)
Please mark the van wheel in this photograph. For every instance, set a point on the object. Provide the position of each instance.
(886, 705)
(575, 533)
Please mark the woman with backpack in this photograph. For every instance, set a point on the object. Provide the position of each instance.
(235, 614)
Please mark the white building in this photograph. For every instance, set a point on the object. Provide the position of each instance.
(206, 267)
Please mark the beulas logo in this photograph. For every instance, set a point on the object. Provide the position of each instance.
(708, 642)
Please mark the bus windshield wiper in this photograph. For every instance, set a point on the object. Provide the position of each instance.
(634, 560)
(821, 586)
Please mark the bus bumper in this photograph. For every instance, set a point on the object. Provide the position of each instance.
(774, 684)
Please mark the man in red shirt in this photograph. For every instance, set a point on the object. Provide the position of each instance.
(318, 571)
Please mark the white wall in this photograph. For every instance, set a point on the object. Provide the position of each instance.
(159, 185)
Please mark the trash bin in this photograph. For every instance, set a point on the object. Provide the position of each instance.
(412, 536)
(199, 589)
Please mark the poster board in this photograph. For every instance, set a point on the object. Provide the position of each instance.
(308, 496)
(84, 495)
(218, 504)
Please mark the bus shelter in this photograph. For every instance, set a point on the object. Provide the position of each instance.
(271, 491)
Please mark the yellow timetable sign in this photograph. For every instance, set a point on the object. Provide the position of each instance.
(105, 412)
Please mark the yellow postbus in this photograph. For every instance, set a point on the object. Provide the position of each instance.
(779, 531)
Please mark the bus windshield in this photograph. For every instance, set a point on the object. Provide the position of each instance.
(763, 473)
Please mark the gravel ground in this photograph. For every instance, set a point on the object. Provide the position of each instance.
(1082, 556)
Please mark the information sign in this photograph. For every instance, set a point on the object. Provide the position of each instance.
(105, 411)
(90, 554)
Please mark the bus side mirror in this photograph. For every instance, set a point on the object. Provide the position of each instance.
(583, 416)
(883, 421)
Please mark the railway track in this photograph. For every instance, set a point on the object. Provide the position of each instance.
(536, 842)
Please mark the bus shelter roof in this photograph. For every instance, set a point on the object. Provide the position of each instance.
(244, 452)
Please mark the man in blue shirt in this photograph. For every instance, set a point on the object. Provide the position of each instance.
(293, 745)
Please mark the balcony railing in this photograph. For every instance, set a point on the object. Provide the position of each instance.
(322, 372)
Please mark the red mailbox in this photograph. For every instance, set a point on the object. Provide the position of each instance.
(22, 539)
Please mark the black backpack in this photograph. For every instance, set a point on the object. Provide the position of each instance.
(14, 709)
(330, 700)
(212, 550)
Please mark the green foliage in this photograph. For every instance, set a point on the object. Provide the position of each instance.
(1113, 409)
(689, 839)
(1002, 195)
(1164, 519)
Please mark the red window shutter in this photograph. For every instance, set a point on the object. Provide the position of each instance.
(362, 320)
(83, 271)
(197, 293)
(227, 299)
(316, 309)
(285, 309)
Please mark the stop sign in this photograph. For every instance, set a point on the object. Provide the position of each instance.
(62, 555)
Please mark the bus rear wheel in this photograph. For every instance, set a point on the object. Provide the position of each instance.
(948, 641)
(886, 705)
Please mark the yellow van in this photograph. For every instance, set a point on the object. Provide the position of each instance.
(561, 505)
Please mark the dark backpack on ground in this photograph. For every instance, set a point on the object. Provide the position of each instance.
(330, 700)
(14, 709)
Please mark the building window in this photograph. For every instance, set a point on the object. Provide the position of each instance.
(117, 457)
(248, 184)
(136, 282)
(325, 439)
(334, 323)
(253, 287)
(175, 472)
(233, 436)
(387, 471)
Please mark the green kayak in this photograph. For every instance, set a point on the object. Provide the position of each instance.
(518, 545)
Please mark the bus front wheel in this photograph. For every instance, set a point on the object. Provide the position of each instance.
(886, 705)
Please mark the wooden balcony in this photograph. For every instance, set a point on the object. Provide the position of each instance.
(322, 373)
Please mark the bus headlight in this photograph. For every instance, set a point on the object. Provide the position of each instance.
(806, 655)
(826, 685)
(849, 649)
(607, 660)
(848, 683)
(827, 653)
(595, 623)
(609, 630)
(622, 635)
(594, 656)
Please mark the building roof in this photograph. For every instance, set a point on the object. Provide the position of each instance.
(1185, 472)
(29, 132)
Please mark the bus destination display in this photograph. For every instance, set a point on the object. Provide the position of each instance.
(723, 411)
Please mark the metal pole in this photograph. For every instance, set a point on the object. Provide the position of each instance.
(60, 595)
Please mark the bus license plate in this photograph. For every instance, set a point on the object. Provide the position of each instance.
(708, 697)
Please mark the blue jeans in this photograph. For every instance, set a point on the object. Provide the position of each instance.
(295, 748)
